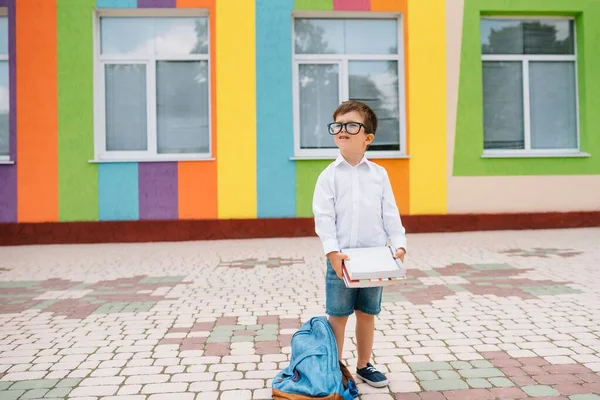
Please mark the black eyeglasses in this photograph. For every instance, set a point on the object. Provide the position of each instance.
(351, 127)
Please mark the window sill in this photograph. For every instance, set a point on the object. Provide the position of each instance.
(150, 160)
(519, 154)
(369, 156)
(6, 162)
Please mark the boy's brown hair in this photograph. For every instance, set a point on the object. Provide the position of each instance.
(369, 117)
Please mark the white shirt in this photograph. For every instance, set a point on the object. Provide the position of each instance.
(355, 207)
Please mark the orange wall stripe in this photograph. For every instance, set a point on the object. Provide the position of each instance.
(398, 170)
(195, 4)
(398, 173)
(37, 119)
(197, 181)
(389, 5)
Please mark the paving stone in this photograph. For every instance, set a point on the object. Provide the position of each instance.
(426, 375)
(447, 374)
(478, 383)
(501, 382)
(444, 384)
(481, 373)
(61, 392)
(540, 391)
(35, 384)
(429, 366)
(11, 394)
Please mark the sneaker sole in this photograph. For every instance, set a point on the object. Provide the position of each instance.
(373, 384)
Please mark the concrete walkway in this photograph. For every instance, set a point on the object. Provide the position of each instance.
(504, 315)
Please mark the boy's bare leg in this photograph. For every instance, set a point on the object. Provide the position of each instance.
(338, 324)
(365, 332)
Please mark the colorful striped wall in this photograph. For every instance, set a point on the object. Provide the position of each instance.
(52, 175)
(252, 174)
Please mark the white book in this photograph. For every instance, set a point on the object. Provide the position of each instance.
(364, 283)
(373, 263)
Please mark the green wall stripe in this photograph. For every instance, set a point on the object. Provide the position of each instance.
(307, 173)
(469, 127)
(313, 5)
(77, 178)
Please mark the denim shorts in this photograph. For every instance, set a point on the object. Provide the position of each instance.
(342, 301)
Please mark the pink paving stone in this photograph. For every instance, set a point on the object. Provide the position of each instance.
(226, 321)
(269, 343)
(535, 361)
(555, 379)
(509, 393)
(533, 370)
(416, 273)
(493, 355)
(57, 284)
(170, 341)
(566, 369)
(454, 269)
(191, 340)
(290, 323)
(196, 346)
(284, 340)
(406, 396)
(594, 387)
(589, 377)
(513, 371)
(202, 327)
(179, 330)
(431, 396)
(569, 389)
(267, 350)
(506, 363)
(522, 380)
(469, 394)
(217, 349)
(268, 319)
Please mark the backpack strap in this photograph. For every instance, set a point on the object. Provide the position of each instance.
(351, 391)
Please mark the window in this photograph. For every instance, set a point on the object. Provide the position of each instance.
(153, 97)
(4, 89)
(529, 85)
(340, 59)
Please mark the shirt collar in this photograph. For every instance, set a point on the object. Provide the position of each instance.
(340, 160)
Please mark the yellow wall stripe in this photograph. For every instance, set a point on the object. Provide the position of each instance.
(236, 108)
(427, 106)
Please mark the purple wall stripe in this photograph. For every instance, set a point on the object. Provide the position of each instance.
(158, 190)
(157, 4)
(8, 173)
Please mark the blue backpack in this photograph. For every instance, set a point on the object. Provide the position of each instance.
(314, 371)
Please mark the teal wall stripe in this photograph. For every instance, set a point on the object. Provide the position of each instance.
(119, 194)
(276, 173)
(117, 3)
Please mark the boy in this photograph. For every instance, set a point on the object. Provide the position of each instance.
(354, 206)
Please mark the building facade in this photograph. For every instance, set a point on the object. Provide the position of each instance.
(170, 110)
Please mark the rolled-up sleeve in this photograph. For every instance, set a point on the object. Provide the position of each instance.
(324, 212)
(392, 223)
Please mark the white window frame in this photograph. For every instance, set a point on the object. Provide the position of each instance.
(5, 159)
(151, 154)
(525, 59)
(342, 61)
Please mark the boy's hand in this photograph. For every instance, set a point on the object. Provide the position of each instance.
(400, 254)
(336, 259)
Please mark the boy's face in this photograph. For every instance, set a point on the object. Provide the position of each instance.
(352, 143)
